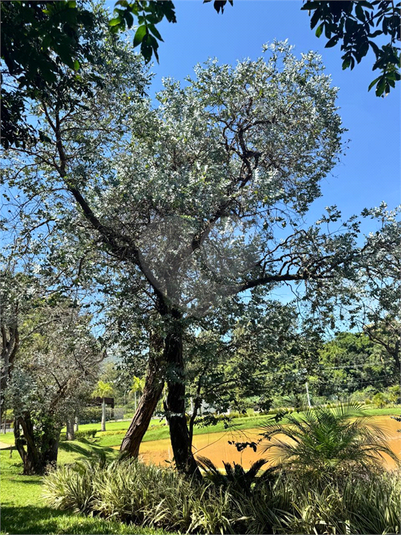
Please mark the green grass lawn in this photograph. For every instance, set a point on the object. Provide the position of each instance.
(23, 510)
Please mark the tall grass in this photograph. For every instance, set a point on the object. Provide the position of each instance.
(145, 495)
(282, 503)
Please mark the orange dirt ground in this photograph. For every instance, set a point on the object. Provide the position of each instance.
(215, 445)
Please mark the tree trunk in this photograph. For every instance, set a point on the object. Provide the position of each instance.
(76, 424)
(175, 403)
(103, 428)
(9, 343)
(70, 435)
(152, 391)
(36, 452)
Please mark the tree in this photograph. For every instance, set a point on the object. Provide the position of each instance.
(137, 386)
(39, 40)
(11, 295)
(350, 362)
(378, 288)
(185, 207)
(57, 356)
(103, 390)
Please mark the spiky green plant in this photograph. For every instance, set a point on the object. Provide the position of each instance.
(235, 476)
(70, 487)
(324, 441)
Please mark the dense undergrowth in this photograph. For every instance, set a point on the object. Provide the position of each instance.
(282, 502)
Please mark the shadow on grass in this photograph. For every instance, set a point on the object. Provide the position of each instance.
(26, 481)
(30, 520)
(73, 447)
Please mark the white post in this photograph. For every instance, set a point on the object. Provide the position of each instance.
(307, 394)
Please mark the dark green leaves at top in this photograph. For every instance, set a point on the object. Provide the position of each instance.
(148, 14)
(355, 25)
(139, 35)
(219, 4)
(38, 39)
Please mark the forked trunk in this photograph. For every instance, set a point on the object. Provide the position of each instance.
(167, 360)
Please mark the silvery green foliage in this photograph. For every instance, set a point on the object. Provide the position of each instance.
(196, 200)
(203, 187)
(234, 155)
(57, 362)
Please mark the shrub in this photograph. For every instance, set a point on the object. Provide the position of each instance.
(90, 433)
(281, 503)
(328, 441)
(379, 400)
(146, 495)
(70, 487)
(235, 477)
(90, 415)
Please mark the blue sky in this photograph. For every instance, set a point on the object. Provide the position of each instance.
(370, 171)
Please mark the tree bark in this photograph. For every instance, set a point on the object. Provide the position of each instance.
(103, 424)
(151, 394)
(70, 435)
(175, 404)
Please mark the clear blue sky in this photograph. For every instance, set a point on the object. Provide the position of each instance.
(370, 171)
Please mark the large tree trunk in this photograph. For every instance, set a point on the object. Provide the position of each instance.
(175, 404)
(172, 358)
(152, 392)
(36, 453)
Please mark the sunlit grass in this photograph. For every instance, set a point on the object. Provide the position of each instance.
(158, 429)
(23, 510)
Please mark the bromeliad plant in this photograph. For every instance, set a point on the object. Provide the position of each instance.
(235, 477)
(327, 441)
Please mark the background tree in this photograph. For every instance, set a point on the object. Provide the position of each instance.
(351, 362)
(11, 295)
(137, 387)
(39, 40)
(57, 356)
(103, 390)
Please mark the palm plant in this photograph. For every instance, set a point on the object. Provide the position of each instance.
(137, 387)
(327, 441)
(103, 390)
